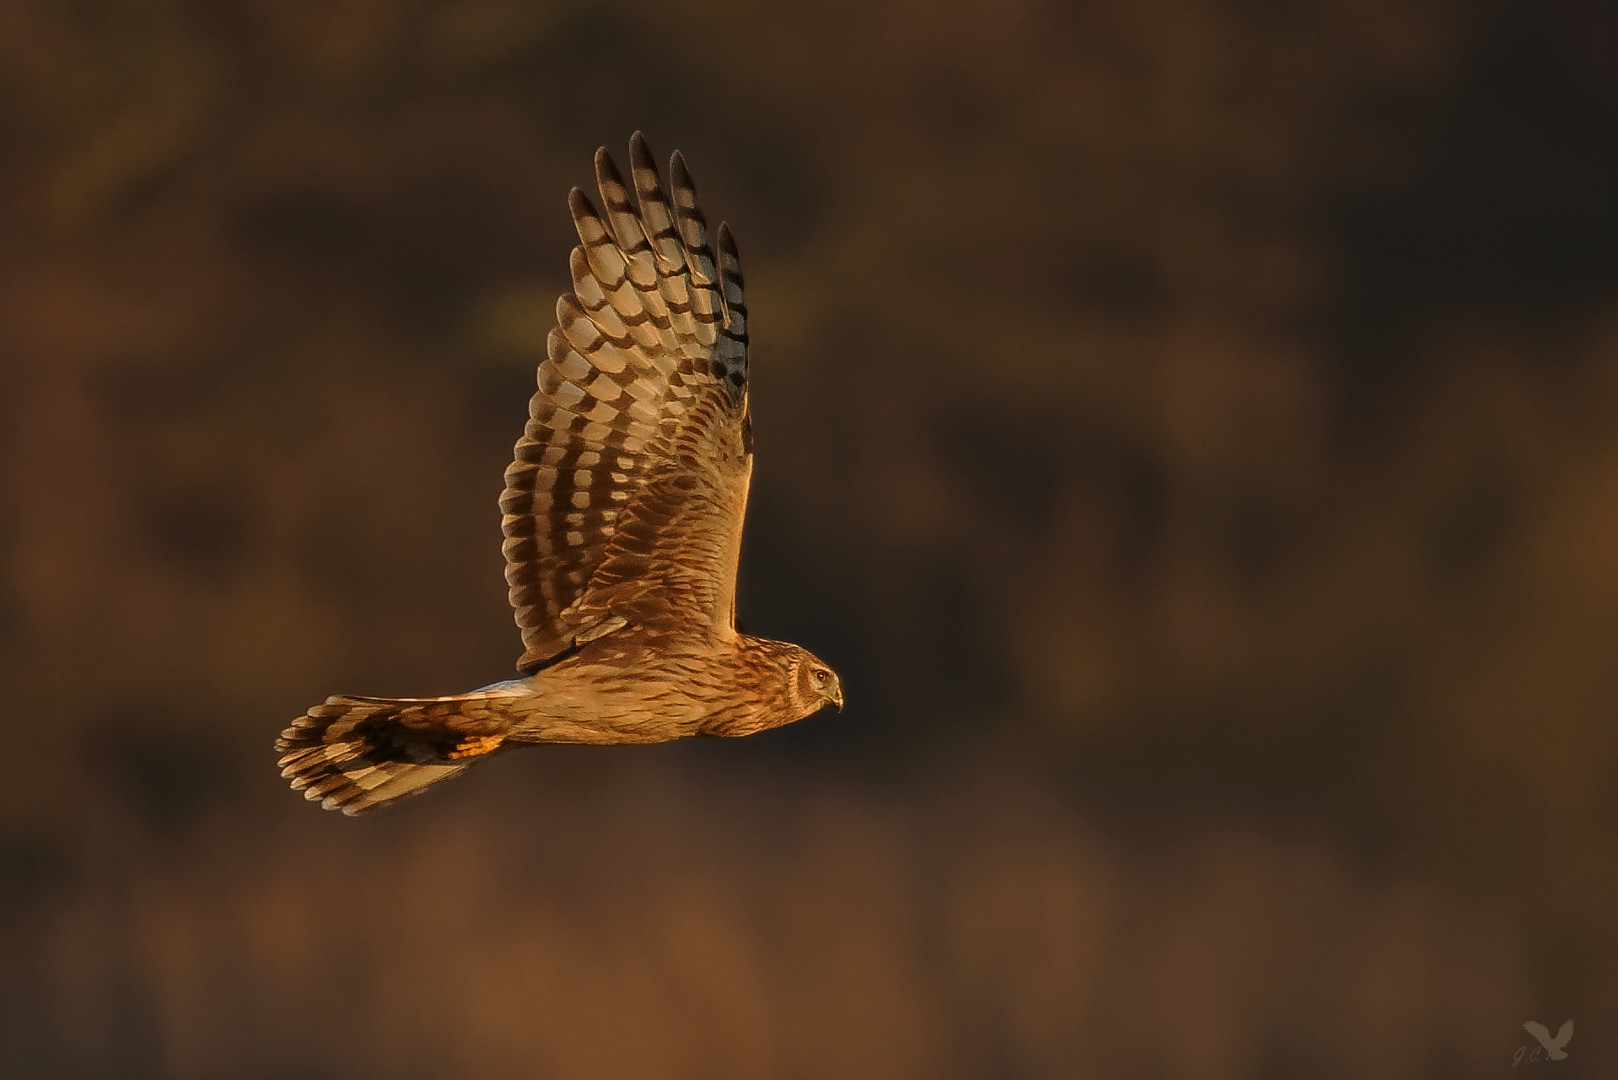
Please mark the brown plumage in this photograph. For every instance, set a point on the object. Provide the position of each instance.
(623, 521)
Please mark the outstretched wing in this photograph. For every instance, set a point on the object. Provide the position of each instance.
(1538, 1031)
(1565, 1034)
(626, 498)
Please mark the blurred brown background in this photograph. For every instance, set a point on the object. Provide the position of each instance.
(1191, 428)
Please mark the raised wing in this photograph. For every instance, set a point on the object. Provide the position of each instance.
(626, 498)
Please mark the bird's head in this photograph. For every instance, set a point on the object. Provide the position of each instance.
(793, 682)
(814, 684)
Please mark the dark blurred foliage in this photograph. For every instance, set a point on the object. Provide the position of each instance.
(1190, 428)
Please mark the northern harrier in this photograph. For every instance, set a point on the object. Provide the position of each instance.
(623, 523)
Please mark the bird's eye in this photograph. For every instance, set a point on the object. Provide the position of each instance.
(820, 677)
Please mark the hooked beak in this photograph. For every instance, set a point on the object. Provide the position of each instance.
(835, 697)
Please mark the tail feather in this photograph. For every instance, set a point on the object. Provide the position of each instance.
(357, 753)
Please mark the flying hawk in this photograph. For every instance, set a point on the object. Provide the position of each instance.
(623, 522)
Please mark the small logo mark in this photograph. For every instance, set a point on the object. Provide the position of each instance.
(1548, 1049)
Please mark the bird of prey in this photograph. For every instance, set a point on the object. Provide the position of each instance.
(1554, 1048)
(622, 515)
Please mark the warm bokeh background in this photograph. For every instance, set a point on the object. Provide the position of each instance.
(1190, 427)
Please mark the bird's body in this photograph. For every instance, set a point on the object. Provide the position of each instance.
(623, 518)
(632, 689)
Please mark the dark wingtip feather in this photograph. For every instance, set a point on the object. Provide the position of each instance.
(731, 283)
(579, 204)
(639, 151)
(607, 174)
(730, 259)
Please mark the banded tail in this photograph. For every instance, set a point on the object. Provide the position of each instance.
(357, 753)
